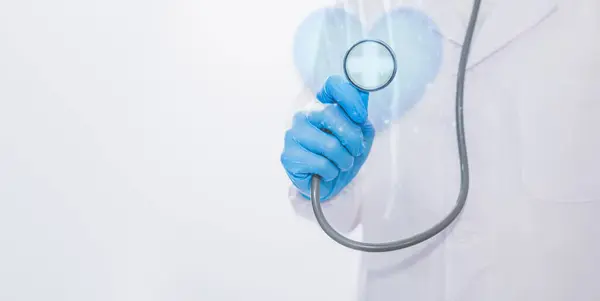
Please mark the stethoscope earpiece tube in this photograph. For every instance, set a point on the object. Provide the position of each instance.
(464, 171)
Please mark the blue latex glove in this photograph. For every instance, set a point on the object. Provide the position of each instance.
(332, 143)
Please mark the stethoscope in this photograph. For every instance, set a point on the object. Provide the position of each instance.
(382, 80)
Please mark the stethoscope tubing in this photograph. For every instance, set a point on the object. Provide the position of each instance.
(463, 163)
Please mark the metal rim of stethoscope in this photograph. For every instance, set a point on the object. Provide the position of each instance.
(388, 49)
(463, 162)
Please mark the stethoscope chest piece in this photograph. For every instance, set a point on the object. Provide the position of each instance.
(370, 65)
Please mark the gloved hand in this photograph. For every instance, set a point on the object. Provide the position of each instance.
(333, 142)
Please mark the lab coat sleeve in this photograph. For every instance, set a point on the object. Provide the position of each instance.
(342, 210)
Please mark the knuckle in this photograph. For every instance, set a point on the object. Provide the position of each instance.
(331, 80)
(332, 117)
(322, 165)
(331, 145)
(349, 163)
(323, 168)
(355, 135)
(337, 79)
(283, 158)
(313, 115)
(286, 162)
(289, 135)
(315, 106)
(330, 111)
(298, 116)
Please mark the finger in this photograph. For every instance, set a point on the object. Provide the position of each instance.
(353, 101)
(368, 131)
(301, 163)
(334, 120)
(321, 143)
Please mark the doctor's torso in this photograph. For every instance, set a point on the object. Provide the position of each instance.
(530, 228)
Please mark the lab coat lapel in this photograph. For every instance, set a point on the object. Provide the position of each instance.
(448, 22)
(507, 21)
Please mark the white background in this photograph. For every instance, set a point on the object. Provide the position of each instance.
(139, 154)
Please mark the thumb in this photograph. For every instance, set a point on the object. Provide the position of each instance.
(364, 98)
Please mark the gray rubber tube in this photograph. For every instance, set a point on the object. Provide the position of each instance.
(464, 171)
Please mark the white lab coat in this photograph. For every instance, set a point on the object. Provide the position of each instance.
(531, 228)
